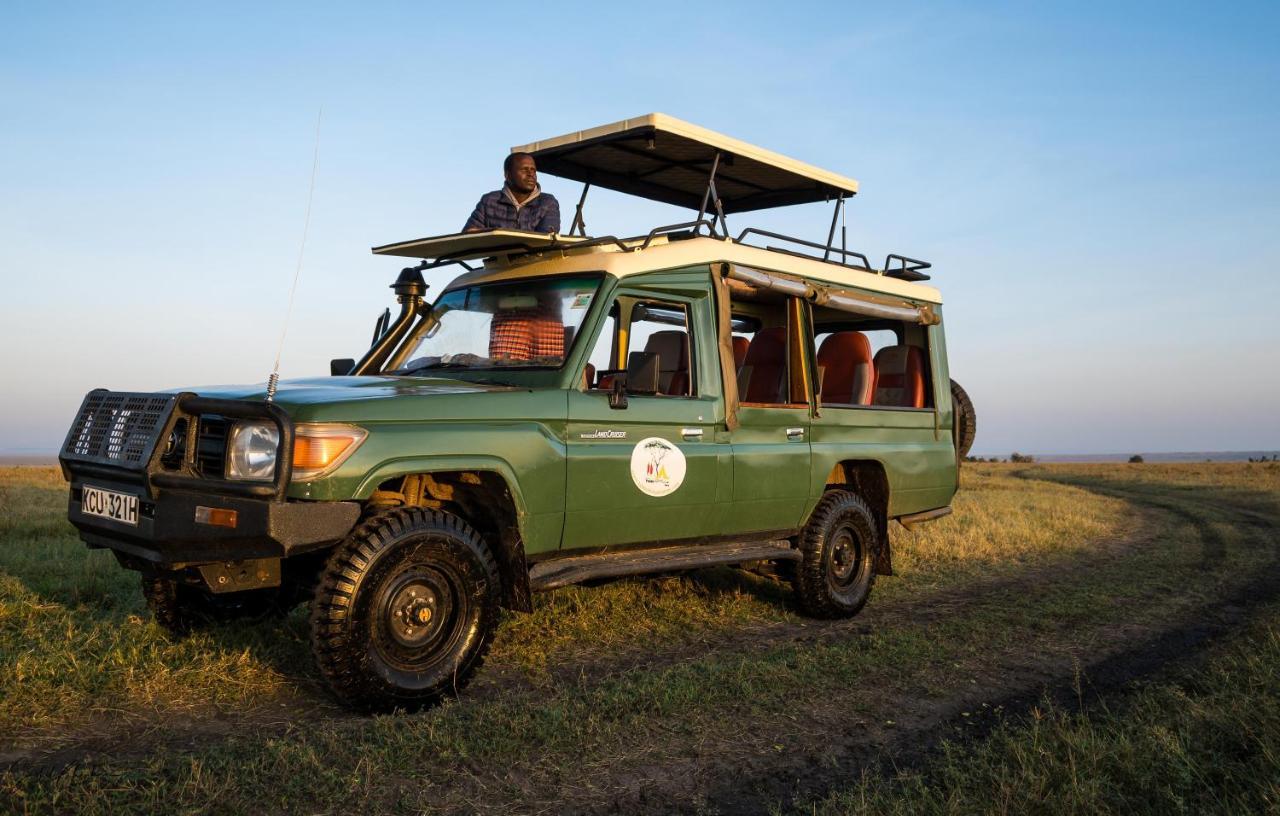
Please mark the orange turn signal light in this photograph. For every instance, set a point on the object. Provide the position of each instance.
(317, 453)
(216, 516)
(320, 447)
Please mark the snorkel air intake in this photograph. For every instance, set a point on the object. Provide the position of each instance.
(409, 288)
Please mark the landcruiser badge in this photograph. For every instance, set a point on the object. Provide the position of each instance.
(657, 466)
(604, 435)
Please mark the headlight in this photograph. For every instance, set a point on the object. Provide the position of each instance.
(319, 448)
(251, 451)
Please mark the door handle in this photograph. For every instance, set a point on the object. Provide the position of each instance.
(691, 434)
(795, 433)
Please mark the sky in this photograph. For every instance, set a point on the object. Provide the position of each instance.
(1096, 184)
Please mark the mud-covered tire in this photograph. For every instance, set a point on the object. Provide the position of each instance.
(966, 420)
(839, 546)
(405, 610)
(181, 608)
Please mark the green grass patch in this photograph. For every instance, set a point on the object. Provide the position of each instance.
(1207, 742)
(83, 660)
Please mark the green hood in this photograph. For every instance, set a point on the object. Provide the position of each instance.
(374, 398)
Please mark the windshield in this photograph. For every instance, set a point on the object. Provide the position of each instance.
(517, 324)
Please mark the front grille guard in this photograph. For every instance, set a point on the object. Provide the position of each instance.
(86, 454)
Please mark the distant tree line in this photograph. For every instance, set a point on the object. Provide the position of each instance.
(1018, 458)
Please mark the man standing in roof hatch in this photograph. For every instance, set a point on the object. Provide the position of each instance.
(520, 204)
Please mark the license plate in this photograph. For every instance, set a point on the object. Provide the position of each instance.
(109, 504)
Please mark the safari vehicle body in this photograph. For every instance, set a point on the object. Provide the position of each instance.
(570, 408)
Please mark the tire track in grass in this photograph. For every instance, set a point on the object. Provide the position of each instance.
(1173, 649)
(736, 768)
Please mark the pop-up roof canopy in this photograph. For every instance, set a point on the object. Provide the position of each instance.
(467, 246)
(664, 159)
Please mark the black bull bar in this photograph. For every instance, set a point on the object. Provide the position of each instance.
(128, 442)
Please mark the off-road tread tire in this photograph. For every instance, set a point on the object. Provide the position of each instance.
(966, 420)
(339, 651)
(181, 608)
(815, 597)
(166, 609)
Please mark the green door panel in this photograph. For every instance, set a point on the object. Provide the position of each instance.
(771, 470)
(917, 455)
(605, 505)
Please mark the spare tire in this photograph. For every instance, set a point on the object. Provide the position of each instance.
(966, 421)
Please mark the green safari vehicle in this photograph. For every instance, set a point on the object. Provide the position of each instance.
(570, 408)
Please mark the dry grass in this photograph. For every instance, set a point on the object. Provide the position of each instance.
(78, 658)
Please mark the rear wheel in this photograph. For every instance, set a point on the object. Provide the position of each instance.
(839, 545)
(405, 610)
(966, 420)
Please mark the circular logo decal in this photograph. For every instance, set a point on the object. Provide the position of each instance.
(657, 466)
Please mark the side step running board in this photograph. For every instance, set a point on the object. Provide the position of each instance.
(574, 569)
(920, 518)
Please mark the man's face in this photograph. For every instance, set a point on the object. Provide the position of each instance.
(523, 177)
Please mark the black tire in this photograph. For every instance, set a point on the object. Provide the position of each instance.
(966, 420)
(405, 610)
(182, 608)
(839, 545)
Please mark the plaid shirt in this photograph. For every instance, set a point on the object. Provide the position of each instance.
(497, 210)
(527, 336)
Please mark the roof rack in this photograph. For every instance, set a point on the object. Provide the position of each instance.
(909, 269)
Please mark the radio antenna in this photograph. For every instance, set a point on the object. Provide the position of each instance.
(274, 379)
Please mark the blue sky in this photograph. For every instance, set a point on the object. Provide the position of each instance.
(1096, 184)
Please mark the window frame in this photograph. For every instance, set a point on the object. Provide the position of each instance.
(625, 302)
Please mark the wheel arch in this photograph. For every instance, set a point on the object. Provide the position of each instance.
(482, 492)
(868, 478)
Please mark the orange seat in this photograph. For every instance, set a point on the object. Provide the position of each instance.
(740, 345)
(763, 376)
(899, 377)
(848, 375)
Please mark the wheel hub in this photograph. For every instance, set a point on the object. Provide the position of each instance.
(844, 556)
(414, 614)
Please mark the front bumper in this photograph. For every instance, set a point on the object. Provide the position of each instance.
(168, 536)
(165, 451)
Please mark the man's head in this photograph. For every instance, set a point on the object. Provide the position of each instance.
(521, 173)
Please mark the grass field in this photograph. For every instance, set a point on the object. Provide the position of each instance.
(1075, 639)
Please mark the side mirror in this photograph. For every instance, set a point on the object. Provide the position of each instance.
(341, 368)
(618, 393)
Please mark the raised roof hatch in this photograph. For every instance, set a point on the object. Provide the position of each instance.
(665, 159)
(466, 246)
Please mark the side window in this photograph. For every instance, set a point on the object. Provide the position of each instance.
(653, 327)
(767, 350)
(662, 329)
(871, 362)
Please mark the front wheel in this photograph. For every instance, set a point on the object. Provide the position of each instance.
(182, 608)
(405, 610)
(839, 545)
